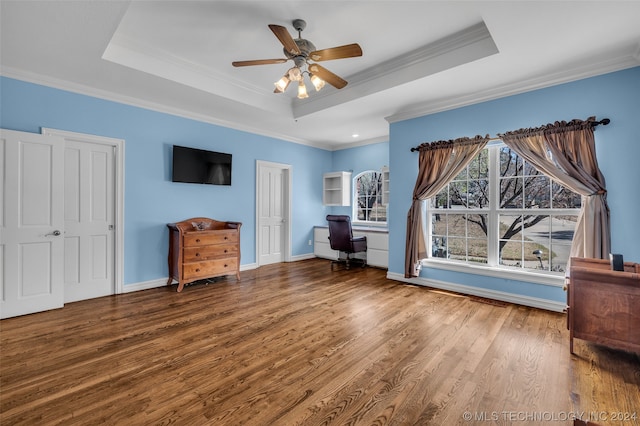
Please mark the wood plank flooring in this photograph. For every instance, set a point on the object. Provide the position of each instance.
(298, 344)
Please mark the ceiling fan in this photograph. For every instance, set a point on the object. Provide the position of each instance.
(302, 52)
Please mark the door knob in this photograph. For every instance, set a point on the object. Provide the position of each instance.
(55, 233)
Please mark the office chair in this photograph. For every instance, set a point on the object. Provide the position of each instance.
(341, 238)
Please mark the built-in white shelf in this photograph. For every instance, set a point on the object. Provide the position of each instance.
(385, 185)
(336, 189)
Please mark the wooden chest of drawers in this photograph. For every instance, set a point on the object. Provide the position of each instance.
(203, 248)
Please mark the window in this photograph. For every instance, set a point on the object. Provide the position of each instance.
(367, 196)
(502, 212)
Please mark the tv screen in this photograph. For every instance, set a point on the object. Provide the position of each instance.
(193, 165)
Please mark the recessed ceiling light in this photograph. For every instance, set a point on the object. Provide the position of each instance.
(355, 135)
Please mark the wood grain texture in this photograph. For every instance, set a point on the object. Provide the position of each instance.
(298, 344)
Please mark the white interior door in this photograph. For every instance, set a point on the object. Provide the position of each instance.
(272, 212)
(31, 223)
(89, 214)
(88, 220)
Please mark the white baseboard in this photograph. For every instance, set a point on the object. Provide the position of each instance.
(302, 257)
(145, 285)
(248, 267)
(534, 302)
(161, 282)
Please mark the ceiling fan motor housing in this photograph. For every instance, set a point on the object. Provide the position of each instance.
(305, 46)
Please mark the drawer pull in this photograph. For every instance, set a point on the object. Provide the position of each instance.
(225, 265)
(197, 254)
(197, 269)
(226, 238)
(197, 240)
(225, 250)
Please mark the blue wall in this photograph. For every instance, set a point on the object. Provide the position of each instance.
(615, 95)
(151, 199)
(357, 160)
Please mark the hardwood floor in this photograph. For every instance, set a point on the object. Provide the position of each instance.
(298, 344)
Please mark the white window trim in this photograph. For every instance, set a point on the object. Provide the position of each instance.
(492, 268)
(354, 205)
(538, 277)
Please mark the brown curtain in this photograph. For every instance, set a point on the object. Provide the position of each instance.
(566, 152)
(438, 164)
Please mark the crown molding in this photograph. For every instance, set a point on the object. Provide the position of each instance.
(462, 47)
(131, 53)
(84, 90)
(364, 142)
(579, 72)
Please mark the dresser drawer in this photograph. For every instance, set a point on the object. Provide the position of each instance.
(210, 268)
(201, 238)
(195, 254)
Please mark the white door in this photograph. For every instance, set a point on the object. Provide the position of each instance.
(88, 220)
(31, 223)
(272, 212)
(89, 214)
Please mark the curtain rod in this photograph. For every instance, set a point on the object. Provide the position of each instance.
(604, 122)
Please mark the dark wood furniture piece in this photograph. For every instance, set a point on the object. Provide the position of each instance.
(202, 248)
(604, 305)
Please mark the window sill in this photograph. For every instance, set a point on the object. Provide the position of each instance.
(369, 224)
(549, 279)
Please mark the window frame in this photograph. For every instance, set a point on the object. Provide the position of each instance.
(355, 196)
(492, 268)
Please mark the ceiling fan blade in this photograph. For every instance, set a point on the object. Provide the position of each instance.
(340, 52)
(285, 38)
(327, 76)
(258, 62)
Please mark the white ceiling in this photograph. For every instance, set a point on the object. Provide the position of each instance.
(419, 56)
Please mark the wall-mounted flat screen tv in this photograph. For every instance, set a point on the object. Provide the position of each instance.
(193, 165)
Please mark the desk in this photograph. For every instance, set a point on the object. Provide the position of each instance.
(377, 244)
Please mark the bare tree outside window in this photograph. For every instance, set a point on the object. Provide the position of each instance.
(536, 216)
(368, 197)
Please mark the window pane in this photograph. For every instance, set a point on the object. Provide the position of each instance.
(564, 198)
(463, 175)
(511, 253)
(479, 167)
(457, 248)
(511, 193)
(478, 251)
(457, 225)
(477, 226)
(560, 257)
(479, 194)
(368, 207)
(379, 213)
(528, 237)
(439, 247)
(439, 224)
(529, 170)
(510, 163)
(536, 256)
(458, 193)
(510, 227)
(442, 199)
(562, 232)
(537, 192)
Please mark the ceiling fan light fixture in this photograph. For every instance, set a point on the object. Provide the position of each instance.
(282, 84)
(302, 90)
(295, 74)
(299, 51)
(317, 82)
